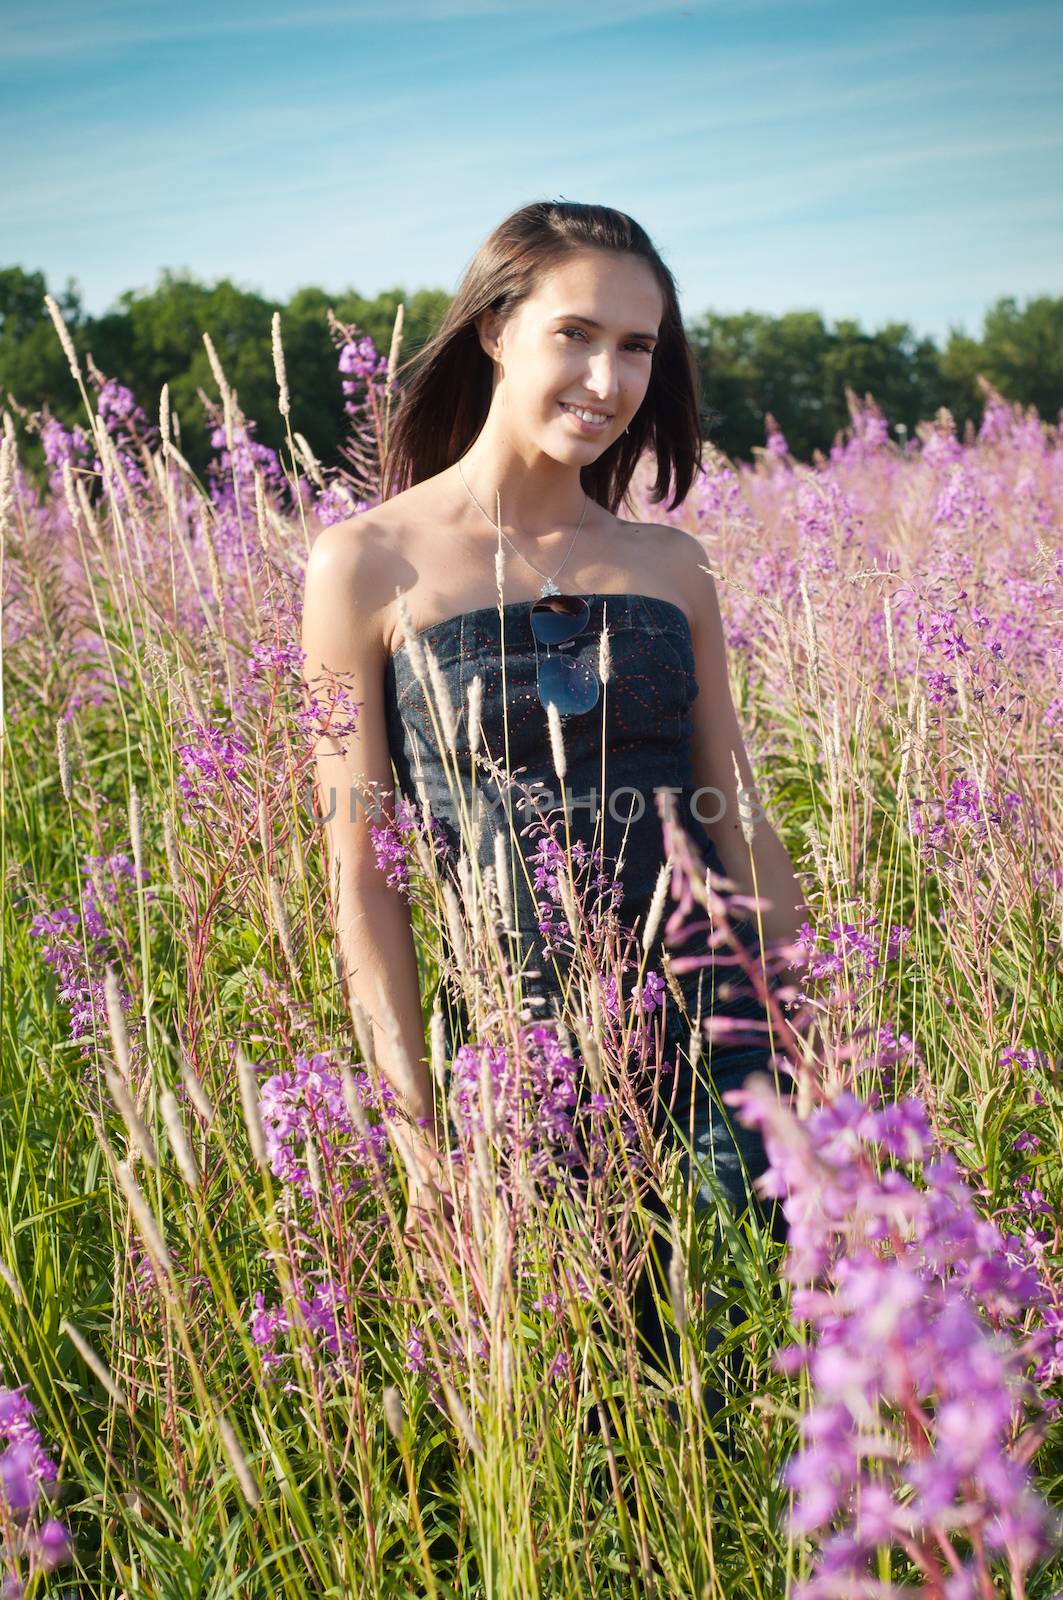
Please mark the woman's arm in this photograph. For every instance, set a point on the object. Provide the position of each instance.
(342, 637)
(718, 745)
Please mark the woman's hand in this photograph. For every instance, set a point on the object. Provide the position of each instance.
(429, 1209)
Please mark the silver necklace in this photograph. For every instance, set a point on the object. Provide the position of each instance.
(549, 587)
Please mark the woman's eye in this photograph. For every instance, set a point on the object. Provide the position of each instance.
(632, 344)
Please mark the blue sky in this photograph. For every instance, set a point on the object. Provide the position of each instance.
(867, 160)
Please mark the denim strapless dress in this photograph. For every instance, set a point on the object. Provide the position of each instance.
(648, 730)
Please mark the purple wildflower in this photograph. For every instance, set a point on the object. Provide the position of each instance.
(308, 1103)
(902, 1286)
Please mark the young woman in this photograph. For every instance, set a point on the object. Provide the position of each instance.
(561, 360)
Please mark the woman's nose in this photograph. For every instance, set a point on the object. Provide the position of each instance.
(602, 375)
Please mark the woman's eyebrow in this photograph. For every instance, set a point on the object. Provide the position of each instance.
(574, 316)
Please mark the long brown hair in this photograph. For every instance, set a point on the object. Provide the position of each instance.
(446, 397)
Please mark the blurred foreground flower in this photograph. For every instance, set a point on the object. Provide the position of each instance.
(918, 1436)
(30, 1542)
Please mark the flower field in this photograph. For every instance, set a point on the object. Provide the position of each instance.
(225, 1370)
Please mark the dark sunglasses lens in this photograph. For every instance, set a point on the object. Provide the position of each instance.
(558, 618)
(572, 686)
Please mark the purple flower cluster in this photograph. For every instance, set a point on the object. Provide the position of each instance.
(247, 457)
(334, 714)
(323, 1317)
(869, 434)
(298, 1108)
(364, 383)
(24, 1469)
(650, 993)
(231, 476)
(827, 526)
(68, 934)
(336, 503)
(271, 664)
(961, 506)
(589, 877)
(531, 1093)
(61, 445)
(215, 770)
(392, 855)
(364, 371)
(308, 1103)
(1027, 1060)
(130, 430)
(117, 405)
(914, 1437)
(394, 847)
(776, 444)
(525, 1099)
(965, 814)
(854, 949)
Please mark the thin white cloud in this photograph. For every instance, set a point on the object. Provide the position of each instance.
(737, 156)
(28, 39)
(125, 26)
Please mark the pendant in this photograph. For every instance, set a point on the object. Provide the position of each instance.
(548, 588)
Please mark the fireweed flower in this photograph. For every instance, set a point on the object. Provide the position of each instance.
(918, 1392)
(323, 1317)
(650, 992)
(298, 1106)
(965, 814)
(272, 665)
(853, 949)
(335, 503)
(216, 770)
(777, 446)
(415, 1350)
(307, 1102)
(66, 934)
(334, 713)
(869, 434)
(597, 890)
(61, 445)
(390, 853)
(231, 479)
(1027, 1060)
(533, 1091)
(364, 372)
(394, 847)
(25, 1469)
(130, 432)
(536, 1113)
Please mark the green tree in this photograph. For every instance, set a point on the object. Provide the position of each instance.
(796, 366)
(751, 364)
(901, 371)
(1020, 352)
(33, 368)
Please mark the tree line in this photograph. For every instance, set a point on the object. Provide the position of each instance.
(796, 366)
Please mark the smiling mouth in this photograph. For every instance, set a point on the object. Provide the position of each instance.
(594, 419)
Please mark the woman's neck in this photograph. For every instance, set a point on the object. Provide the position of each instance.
(538, 495)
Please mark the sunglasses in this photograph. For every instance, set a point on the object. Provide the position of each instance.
(569, 684)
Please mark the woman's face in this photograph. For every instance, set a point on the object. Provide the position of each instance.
(583, 341)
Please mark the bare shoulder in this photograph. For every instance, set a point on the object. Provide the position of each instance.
(686, 550)
(354, 548)
(350, 579)
(679, 562)
(362, 559)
